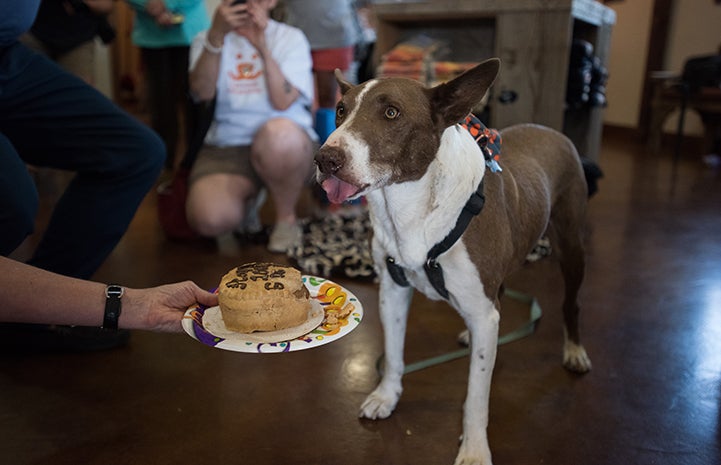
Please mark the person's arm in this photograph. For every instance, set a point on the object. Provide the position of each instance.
(203, 78)
(32, 295)
(281, 92)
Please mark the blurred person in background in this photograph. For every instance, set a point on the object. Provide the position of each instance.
(163, 31)
(261, 138)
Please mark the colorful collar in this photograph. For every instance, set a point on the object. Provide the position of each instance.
(489, 140)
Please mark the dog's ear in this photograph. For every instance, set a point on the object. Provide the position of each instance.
(453, 100)
(345, 86)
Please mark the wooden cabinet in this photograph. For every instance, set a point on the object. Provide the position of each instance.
(533, 40)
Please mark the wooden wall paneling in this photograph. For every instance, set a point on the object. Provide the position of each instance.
(533, 48)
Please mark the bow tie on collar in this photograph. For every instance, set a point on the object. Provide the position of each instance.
(489, 140)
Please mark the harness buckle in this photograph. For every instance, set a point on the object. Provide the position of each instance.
(396, 272)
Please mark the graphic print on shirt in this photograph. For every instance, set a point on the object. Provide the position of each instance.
(245, 76)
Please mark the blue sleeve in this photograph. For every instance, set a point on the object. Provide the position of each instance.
(16, 18)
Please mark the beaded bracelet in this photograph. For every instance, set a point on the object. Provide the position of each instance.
(211, 48)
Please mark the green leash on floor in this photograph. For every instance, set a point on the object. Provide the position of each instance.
(528, 328)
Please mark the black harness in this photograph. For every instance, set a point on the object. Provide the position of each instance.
(473, 207)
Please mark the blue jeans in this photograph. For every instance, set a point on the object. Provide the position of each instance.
(50, 118)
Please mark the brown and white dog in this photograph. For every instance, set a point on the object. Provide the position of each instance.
(398, 144)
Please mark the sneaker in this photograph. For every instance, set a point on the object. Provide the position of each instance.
(284, 236)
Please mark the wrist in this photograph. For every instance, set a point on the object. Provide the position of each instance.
(113, 306)
(135, 310)
(263, 51)
(213, 43)
(215, 37)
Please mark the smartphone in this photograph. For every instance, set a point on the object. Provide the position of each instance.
(238, 2)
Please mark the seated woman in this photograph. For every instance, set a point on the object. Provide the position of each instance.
(261, 137)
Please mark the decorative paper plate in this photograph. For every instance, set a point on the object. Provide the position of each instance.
(205, 324)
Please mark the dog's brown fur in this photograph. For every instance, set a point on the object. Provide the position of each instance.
(397, 144)
(538, 185)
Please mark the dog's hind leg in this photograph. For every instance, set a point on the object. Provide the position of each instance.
(394, 304)
(570, 251)
(482, 326)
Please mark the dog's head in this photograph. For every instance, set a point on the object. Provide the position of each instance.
(389, 129)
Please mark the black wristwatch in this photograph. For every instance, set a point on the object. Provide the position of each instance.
(113, 293)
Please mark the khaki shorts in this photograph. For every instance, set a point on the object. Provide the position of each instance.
(225, 160)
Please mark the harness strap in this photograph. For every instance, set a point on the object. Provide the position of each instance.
(396, 272)
(433, 269)
(473, 207)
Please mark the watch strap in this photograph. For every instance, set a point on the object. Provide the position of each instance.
(113, 294)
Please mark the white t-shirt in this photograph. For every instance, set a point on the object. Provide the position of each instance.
(242, 102)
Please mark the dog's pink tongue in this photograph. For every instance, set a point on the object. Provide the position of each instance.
(338, 190)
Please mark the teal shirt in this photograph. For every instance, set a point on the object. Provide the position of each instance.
(148, 34)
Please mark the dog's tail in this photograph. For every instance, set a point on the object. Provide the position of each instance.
(593, 173)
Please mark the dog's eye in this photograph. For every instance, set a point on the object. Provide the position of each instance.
(392, 113)
(339, 111)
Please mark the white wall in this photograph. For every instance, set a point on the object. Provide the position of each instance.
(695, 29)
(627, 61)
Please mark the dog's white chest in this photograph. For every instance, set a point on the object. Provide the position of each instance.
(405, 257)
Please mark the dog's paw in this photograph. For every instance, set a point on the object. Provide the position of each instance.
(464, 338)
(477, 454)
(575, 358)
(379, 404)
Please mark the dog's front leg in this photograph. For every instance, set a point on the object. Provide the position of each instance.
(394, 303)
(483, 328)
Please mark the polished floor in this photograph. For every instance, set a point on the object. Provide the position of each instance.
(651, 322)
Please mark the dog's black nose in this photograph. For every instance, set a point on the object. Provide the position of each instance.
(329, 159)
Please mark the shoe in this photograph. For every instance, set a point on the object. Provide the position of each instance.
(33, 338)
(251, 230)
(284, 236)
(251, 222)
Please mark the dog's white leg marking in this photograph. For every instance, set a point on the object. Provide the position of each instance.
(575, 357)
(394, 303)
(482, 319)
(464, 338)
(572, 260)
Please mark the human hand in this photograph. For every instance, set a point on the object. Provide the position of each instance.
(155, 8)
(248, 19)
(162, 308)
(160, 13)
(253, 24)
(226, 18)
